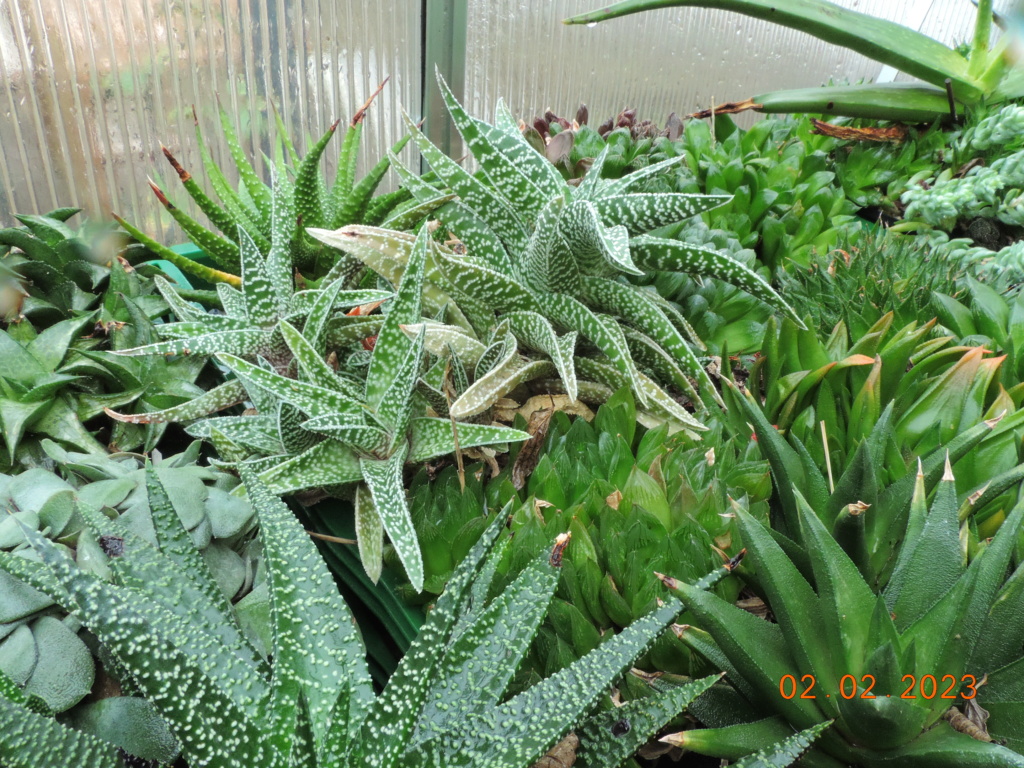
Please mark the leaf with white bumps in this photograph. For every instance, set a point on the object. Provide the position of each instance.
(384, 479)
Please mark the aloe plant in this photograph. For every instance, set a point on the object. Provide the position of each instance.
(311, 702)
(43, 648)
(982, 74)
(547, 257)
(321, 429)
(863, 658)
(251, 206)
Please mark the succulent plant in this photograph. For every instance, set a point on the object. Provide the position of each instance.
(902, 671)
(311, 703)
(321, 429)
(252, 207)
(43, 648)
(51, 272)
(546, 256)
(978, 74)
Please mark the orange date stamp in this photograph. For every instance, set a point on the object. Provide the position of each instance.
(925, 687)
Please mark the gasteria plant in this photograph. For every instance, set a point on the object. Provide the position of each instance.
(544, 256)
(315, 427)
(310, 703)
(980, 75)
(901, 671)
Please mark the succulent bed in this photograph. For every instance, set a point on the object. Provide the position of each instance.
(627, 445)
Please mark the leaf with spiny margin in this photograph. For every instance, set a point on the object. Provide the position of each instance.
(656, 253)
(644, 212)
(592, 183)
(395, 407)
(508, 139)
(480, 663)
(260, 294)
(653, 356)
(293, 438)
(478, 237)
(257, 433)
(631, 181)
(443, 340)
(245, 342)
(601, 330)
(313, 369)
(502, 347)
(217, 399)
(327, 463)
(498, 382)
(546, 266)
(492, 208)
(308, 203)
(369, 533)
(633, 306)
(181, 308)
(392, 344)
(384, 479)
(314, 400)
(508, 178)
(522, 729)
(30, 740)
(206, 722)
(787, 752)
(664, 407)
(232, 300)
(496, 290)
(431, 437)
(317, 648)
(535, 332)
(176, 608)
(258, 192)
(363, 437)
(386, 730)
(355, 206)
(603, 745)
(597, 249)
(278, 266)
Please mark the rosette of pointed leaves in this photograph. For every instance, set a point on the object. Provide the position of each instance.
(42, 648)
(310, 703)
(942, 618)
(553, 255)
(251, 206)
(323, 429)
(51, 272)
(250, 326)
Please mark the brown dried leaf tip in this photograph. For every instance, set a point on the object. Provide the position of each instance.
(894, 133)
(736, 560)
(561, 542)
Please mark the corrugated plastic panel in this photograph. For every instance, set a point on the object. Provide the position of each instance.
(668, 60)
(89, 89)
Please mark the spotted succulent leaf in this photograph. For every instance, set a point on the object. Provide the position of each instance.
(432, 437)
(392, 345)
(384, 479)
(232, 300)
(392, 717)
(29, 739)
(181, 308)
(493, 208)
(395, 408)
(308, 201)
(317, 649)
(369, 533)
(406, 218)
(364, 437)
(313, 369)
(596, 247)
(327, 463)
(522, 729)
(644, 212)
(611, 737)
(217, 399)
(236, 342)
(672, 255)
(499, 381)
(535, 332)
(480, 662)
(260, 198)
(442, 340)
(209, 723)
(506, 137)
(260, 293)
(494, 289)
(503, 172)
(787, 752)
(309, 398)
(256, 433)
